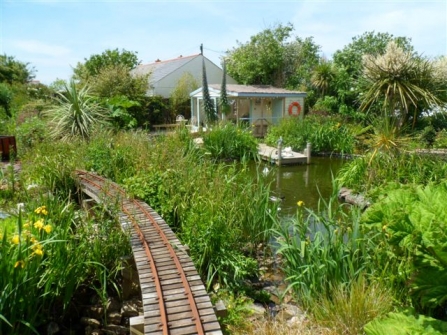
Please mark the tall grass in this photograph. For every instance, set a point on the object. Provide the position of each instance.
(372, 171)
(54, 249)
(353, 305)
(229, 141)
(215, 208)
(323, 248)
(47, 257)
(336, 267)
(327, 135)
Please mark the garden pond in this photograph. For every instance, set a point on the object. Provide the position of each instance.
(306, 183)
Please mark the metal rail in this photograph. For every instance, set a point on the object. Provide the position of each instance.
(90, 178)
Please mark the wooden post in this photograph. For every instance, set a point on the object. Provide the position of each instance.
(308, 151)
(279, 151)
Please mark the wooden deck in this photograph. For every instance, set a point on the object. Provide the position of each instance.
(174, 298)
(270, 154)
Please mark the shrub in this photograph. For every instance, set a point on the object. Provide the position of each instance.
(414, 222)
(428, 136)
(352, 305)
(373, 171)
(405, 323)
(50, 254)
(228, 141)
(31, 132)
(440, 139)
(323, 249)
(327, 135)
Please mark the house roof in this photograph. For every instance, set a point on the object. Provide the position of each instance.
(161, 69)
(255, 91)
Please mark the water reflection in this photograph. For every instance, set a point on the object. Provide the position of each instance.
(302, 182)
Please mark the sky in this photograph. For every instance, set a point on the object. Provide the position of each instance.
(53, 36)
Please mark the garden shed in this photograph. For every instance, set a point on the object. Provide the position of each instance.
(255, 105)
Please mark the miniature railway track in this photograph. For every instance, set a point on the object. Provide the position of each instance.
(174, 298)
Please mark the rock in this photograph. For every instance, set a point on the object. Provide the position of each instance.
(295, 321)
(346, 195)
(257, 309)
(96, 312)
(52, 328)
(113, 305)
(114, 318)
(129, 309)
(114, 329)
(90, 322)
(92, 331)
(275, 295)
(289, 311)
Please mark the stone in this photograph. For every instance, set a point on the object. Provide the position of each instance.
(92, 331)
(257, 309)
(129, 309)
(52, 328)
(275, 295)
(115, 329)
(96, 312)
(90, 322)
(114, 318)
(289, 311)
(112, 305)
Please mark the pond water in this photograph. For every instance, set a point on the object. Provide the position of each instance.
(307, 183)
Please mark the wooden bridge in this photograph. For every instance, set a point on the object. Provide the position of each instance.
(174, 298)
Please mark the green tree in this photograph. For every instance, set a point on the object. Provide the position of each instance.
(5, 98)
(76, 114)
(116, 80)
(180, 100)
(58, 85)
(273, 57)
(323, 77)
(369, 43)
(261, 60)
(14, 71)
(348, 63)
(301, 57)
(96, 63)
(402, 82)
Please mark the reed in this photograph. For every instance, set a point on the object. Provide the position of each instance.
(52, 251)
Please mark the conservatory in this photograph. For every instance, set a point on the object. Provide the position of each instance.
(257, 106)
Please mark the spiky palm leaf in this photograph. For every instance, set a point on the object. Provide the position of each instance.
(76, 114)
(400, 80)
(322, 77)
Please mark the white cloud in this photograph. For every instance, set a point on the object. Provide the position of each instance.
(37, 47)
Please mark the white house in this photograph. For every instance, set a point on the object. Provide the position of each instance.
(255, 105)
(164, 75)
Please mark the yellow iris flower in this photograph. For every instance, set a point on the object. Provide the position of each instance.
(41, 210)
(38, 224)
(19, 263)
(47, 228)
(15, 239)
(300, 203)
(37, 248)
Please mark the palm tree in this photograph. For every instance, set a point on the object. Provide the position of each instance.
(76, 114)
(401, 81)
(323, 76)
